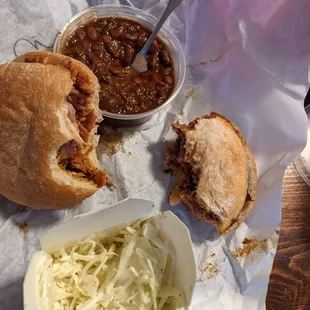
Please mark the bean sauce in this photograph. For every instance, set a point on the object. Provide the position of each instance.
(108, 46)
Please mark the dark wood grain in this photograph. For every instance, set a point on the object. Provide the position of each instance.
(289, 287)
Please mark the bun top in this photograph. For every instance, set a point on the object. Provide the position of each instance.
(224, 164)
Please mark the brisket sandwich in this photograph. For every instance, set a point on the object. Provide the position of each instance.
(48, 122)
(216, 171)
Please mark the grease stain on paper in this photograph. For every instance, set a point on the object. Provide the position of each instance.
(22, 226)
(190, 93)
(207, 62)
(250, 245)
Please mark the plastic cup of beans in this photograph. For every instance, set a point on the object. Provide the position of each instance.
(106, 38)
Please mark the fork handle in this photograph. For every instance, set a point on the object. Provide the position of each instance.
(172, 5)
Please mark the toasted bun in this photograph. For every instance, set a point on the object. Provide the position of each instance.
(226, 188)
(33, 127)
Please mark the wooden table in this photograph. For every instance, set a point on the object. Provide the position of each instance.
(289, 287)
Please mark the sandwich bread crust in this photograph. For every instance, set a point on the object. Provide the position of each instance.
(222, 189)
(33, 128)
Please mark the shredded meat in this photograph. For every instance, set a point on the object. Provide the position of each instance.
(68, 150)
(90, 121)
(83, 132)
(85, 116)
(175, 160)
(78, 100)
(71, 156)
(79, 97)
(71, 113)
(71, 159)
(188, 177)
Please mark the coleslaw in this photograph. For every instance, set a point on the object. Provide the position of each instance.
(131, 270)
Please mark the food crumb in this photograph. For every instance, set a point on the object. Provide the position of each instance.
(129, 154)
(248, 246)
(145, 129)
(23, 227)
(177, 120)
(175, 196)
(212, 60)
(153, 206)
(181, 112)
(190, 93)
(203, 63)
(209, 271)
(212, 254)
(112, 141)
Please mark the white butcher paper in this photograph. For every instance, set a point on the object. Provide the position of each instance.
(247, 60)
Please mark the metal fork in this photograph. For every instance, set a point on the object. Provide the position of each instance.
(139, 63)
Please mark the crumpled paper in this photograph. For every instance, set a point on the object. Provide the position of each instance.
(246, 59)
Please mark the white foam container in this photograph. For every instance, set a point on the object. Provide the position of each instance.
(107, 220)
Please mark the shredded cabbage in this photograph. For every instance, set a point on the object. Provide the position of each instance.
(132, 270)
